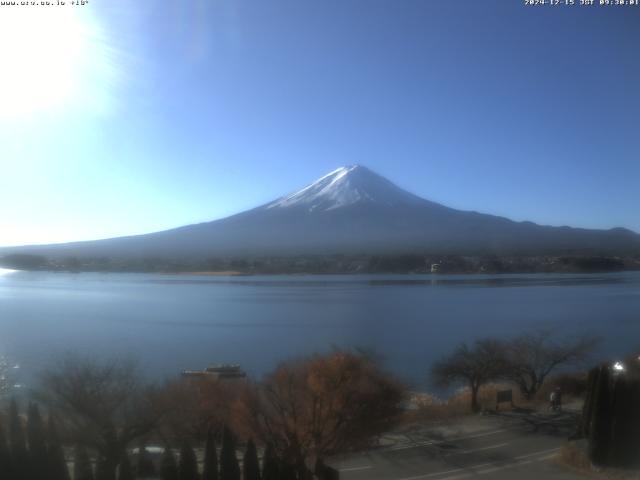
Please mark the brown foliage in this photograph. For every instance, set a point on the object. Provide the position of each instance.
(576, 458)
(431, 409)
(320, 406)
(190, 407)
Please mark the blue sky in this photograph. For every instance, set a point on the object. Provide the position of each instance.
(164, 115)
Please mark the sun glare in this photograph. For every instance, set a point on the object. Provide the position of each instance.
(46, 58)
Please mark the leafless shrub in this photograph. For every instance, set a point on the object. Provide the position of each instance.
(532, 357)
(473, 366)
(104, 405)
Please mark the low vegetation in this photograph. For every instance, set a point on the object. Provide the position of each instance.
(525, 361)
(280, 428)
(302, 412)
(323, 406)
(576, 458)
(330, 264)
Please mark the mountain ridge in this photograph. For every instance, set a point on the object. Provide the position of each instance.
(352, 210)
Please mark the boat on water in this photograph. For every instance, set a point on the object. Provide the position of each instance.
(217, 372)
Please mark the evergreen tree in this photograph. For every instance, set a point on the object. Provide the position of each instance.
(287, 472)
(37, 444)
(625, 422)
(18, 447)
(270, 467)
(168, 465)
(587, 409)
(56, 462)
(188, 464)
(125, 471)
(144, 465)
(5, 455)
(82, 469)
(250, 465)
(229, 468)
(600, 424)
(103, 469)
(210, 469)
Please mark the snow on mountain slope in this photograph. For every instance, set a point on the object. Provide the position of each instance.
(346, 186)
(351, 210)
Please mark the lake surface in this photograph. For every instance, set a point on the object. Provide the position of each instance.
(175, 322)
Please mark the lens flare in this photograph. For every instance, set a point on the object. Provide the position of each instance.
(50, 58)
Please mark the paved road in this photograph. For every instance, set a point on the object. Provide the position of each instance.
(514, 445)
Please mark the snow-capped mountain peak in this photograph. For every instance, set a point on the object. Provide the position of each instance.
(346, 186)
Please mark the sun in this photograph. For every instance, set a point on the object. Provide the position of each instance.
(46, 58)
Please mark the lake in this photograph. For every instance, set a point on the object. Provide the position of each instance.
(175, 322)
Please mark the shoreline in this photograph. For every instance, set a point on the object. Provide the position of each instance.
(234, 273)
(222, 273)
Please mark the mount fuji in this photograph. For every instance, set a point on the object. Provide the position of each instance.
(353, 210)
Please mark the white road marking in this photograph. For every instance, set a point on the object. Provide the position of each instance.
(436, 442)
(435, 474)
(493, 468)
(497, 469)
(538, 453)
(490, 447)
(355, 469)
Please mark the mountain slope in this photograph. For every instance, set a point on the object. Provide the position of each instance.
(354, 210)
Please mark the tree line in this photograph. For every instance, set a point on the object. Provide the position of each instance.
(302, 413)
(296, 417)
(525, 361)
(329, 263)
(34, 452)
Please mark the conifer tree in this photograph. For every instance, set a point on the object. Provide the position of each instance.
(37, 444)
(587, 409)
(125, 471)
(624, 447)
(56, 461)
(229, 468)
(103, 469)
(82, 469)
(144, 464)
(287, 472)
(250, 465)
(600, 429)
(210, 469)
(168, 465)
(5, 455)
(18, 447)
(188, 464)
(270, 467)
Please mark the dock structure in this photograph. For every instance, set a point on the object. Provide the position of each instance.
(216, 372)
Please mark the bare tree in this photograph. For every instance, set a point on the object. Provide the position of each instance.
(104, 405)
(474, 366)
(531, 357)
(320, 406)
